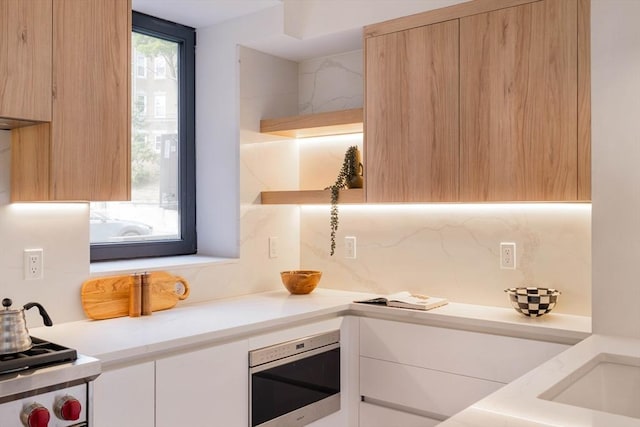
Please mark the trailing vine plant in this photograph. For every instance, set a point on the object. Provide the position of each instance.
(351, 168)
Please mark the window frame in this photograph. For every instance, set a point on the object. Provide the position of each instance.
(187, 244)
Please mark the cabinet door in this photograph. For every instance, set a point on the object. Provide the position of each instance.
(380, 416)
(125, 397)
(471, 354)
(90, 143)
(208, 387)
(411, 123)
(25, 59)
(518, 103)
(440, 393)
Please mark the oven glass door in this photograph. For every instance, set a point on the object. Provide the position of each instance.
(281, 389)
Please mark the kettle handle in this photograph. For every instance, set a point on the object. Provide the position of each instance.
(45, 316)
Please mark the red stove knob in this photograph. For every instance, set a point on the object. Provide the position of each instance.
(35, 415)
(67, 408)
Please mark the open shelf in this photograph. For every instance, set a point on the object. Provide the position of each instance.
(319, 124)
(310, 197)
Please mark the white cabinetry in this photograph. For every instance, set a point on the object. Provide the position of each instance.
(207, 387)
(436, 372)
(125, 397)
(380, 416)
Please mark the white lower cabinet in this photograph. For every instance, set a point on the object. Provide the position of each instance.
(436, 392)
(381, 416)
(125, 397)
(207, 387)
(437, 371)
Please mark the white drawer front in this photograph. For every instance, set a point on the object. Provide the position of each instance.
(427, 390)
(379, 416)
(479, 355)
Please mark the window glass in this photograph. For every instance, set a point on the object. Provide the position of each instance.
(141, 65)
(160, 71)
(162, 150)
(160, 105)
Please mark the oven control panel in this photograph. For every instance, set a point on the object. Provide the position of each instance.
(290, 348)
(59, 408)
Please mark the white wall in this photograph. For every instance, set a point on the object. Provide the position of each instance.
(615, 106)
(61, 230)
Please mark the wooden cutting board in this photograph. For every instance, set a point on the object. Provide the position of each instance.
(108, 297)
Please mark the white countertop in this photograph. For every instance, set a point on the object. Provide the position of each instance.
(122, 339)
(517, 403)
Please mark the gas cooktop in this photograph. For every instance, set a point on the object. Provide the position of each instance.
(43, 353)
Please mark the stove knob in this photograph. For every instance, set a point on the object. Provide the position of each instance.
(67, 408)
(35, 415)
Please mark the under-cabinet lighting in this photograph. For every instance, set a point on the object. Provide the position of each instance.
(453, 208)
(53, 207)
(351, 138)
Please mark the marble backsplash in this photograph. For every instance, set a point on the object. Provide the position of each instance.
(452, 250)
(448, 250)
(331, 83)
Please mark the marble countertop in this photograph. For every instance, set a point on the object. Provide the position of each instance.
(518, 404)
(120, 340)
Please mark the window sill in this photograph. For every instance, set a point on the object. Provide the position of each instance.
(152, 264)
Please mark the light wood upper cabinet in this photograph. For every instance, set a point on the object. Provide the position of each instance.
(504, 118)
(88, 148)
(411, 115)
(518, 103)
(90, 154)
(25, 59)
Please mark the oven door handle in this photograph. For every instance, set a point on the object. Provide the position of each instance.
(293, 358)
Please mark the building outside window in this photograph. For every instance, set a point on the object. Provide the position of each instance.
(141, 65)
(160, 105)
(159, 67)
(141, 104)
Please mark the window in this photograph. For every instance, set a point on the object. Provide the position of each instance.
(159, 68)
(160, 218)
(141, 104)
(160, 105)
(141, 65)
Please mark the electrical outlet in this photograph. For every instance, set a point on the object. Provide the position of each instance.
(33, 264)
(273, 247)
(350, 247)
(508, 255)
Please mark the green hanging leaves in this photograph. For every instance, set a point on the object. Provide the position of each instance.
(350, 166)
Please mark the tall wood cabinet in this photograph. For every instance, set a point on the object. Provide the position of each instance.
(411, 124)
(510, 107)
(25, 59)
(86, 155)
(518, 108)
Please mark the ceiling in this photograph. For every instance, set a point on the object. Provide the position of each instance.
(201, 13)
(204, 13)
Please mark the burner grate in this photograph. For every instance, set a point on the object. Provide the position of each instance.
(43, 353)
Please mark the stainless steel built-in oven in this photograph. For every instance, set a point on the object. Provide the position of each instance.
(296, 382)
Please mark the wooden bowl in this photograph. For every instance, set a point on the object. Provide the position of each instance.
(300, 282)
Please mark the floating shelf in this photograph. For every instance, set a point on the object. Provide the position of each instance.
(310, 197)
(320, 124)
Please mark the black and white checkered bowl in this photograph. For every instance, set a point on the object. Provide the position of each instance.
(533, 302)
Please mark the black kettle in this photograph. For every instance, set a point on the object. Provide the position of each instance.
(13, 327)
